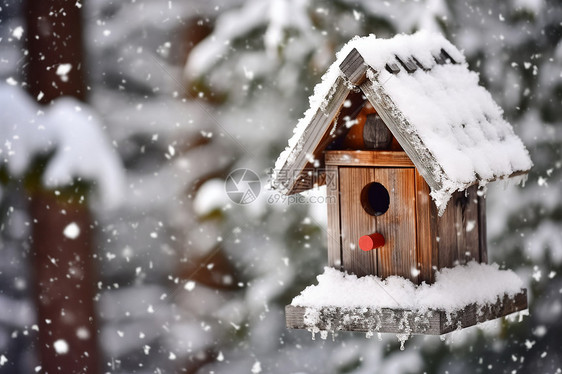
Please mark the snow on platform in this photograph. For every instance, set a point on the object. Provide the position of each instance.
(460, 297)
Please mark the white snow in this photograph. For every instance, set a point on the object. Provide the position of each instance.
(256, 367)
(69, 128)
(454, 288)
(83, 333)
(64, 69)
(210, 196)
(18, 32)
(189, 285)
(71, 231)
(61, 346)
(277, 16)
(227, 28)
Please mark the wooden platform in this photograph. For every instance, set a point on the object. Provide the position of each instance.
(399, 321)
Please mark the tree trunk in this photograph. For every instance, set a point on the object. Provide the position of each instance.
(64, 284)
(54, 44)
(64, 279)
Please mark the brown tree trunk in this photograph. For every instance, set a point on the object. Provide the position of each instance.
(64, 284)
(64, 280)
(54, 38)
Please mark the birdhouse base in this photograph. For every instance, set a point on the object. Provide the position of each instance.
(400, 321)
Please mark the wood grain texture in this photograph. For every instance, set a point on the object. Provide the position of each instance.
(469, 248)
(375, 133)
(368, 158)
(354, 68)
(397, 225)
(447, 235)
(355, 222)
(458, 230)
(333, 205)
(426, 232)
(482, 231)
(401, 321)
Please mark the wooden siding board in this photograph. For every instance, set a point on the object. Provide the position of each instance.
(387, 320)
(368, 158)
(458, 229)
(447, 235)
(426, 231)
(333, 207)
(470, 225)
(397, 225)
(355, 222)
(482, 232)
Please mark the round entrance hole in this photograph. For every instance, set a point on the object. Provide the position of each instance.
(375, 199)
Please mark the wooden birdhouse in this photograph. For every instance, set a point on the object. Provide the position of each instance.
(403, 136)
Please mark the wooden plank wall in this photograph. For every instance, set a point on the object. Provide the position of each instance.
(355, 222)
(334, 222)
(482, 231)
(397, 225)
(426, 232)
(458, 230)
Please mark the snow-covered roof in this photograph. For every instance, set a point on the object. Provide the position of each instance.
(422, 88)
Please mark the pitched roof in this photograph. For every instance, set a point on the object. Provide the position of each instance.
(421, 86)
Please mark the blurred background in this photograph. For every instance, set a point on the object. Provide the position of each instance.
(120, 251)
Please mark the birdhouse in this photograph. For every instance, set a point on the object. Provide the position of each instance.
(404, 138)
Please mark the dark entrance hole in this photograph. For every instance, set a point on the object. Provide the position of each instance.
(375, 199)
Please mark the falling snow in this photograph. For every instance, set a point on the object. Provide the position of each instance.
(189, 285)
(18, 32)
(256, 367)
(63, 70)
(61, 346)
(71, 231)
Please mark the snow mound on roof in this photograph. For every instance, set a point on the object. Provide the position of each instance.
(454, 289)
(67, 127)
(422, 45)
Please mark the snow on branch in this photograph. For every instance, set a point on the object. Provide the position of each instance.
(71, 130)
